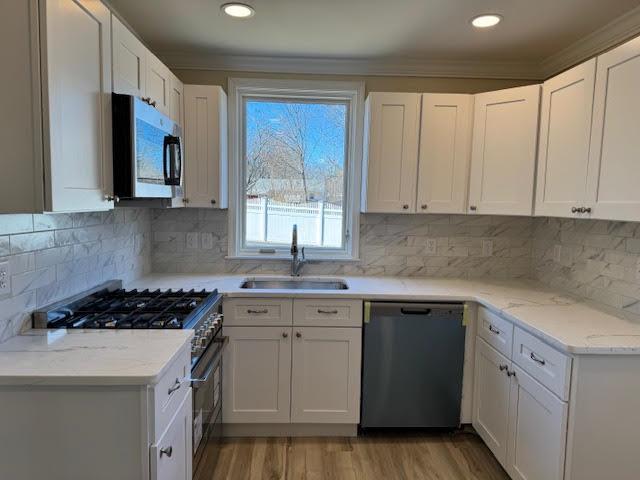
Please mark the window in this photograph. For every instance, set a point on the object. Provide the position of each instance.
(296, 156)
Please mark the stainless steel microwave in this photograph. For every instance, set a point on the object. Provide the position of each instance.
(147, 150)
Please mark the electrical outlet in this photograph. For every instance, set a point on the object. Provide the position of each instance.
(432, 246)
(638, 269)
(5, 283)
(487, 248)
(207, 240)
(192, 241)
(557, 253)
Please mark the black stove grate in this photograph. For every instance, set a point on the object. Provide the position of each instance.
(169, 309)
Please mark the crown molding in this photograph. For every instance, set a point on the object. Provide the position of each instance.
(617, 31)
(612, 34)
(332, 66)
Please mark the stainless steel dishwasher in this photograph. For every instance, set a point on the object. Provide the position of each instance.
(413, 355)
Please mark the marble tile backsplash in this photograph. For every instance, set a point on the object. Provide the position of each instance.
(195, 241)
(595, 259)
(54, 256)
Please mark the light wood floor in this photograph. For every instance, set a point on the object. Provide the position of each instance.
(435, 456)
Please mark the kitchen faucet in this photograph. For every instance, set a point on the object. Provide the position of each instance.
(296, 263)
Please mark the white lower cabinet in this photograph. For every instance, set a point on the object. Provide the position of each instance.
(325, 379)
(257, 375)
(171, 455)
(491, 399)
(288, 372)
(537, 430)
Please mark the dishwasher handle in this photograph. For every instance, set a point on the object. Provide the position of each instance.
(415, 311)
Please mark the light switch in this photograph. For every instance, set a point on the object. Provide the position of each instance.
(432, 246)
(487, 248)
(192, 241)
(207, 240)
(5, 282)
(557, 253)
(638, 269)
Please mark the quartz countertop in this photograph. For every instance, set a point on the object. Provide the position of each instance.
(565, 322)
(89, 357)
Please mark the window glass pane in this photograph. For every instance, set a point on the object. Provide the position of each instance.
(295, 161)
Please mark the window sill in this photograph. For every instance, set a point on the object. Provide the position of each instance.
(287, 258)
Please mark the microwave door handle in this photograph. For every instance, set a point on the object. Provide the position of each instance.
(164, 160)
(179, 160)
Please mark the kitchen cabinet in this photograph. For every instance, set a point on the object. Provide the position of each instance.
(391, 152)
(491, 399)
(257, 375)
(206, 162)
(325, 377)
(129, 61)
(445, 151)
(614, 169)
(537, 430)
(171, 455)
(158, 84)
(563, 151)
(505, 133)
(57, 86)
(176, 101)
(280, 370)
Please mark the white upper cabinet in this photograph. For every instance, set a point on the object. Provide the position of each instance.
(176, 101)
(158, 84)
(76, 90)
(614, 160)
(391, 152)
(505, 133)
(445, 151)
(563, 150)
(129, 61)
(205, 127)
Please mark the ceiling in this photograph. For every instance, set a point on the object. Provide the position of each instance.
(363, 30)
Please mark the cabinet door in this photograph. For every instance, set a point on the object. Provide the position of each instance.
(77, 96)
(391, 140)
(325, 379)
(505, 133)
(171, 457)
(257, 375)
(205, 146)
(158, 83)
(537, 431)
(565, 129)
(129, 61)
(491, 398)
(176, 101)
(445, 151)
(614, 169)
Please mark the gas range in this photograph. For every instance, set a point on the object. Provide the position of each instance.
(108, 306)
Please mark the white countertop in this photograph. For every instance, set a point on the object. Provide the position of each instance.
(567, 323)
(89, 357)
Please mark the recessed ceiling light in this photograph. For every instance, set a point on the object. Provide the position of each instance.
(485, 21)
(238, 10)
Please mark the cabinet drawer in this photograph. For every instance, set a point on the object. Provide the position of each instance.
(327, 313)
(169, 392)
(171, 455)
(257, 312)
(496, 331)
(542, 362)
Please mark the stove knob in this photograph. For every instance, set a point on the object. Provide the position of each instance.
(202, 341)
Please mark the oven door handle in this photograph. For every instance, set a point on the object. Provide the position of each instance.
(214, 362)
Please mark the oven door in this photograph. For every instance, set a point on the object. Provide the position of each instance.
(207, 409)
(157, 166)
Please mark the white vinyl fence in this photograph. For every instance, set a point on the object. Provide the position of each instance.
(319, 223)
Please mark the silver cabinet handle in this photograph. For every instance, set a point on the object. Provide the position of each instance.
(575, 210)
(258, 312)
(285, 334)
(405, 207)
(473, 208)
(492, 329)
(504, 367)
(168, 451)
(327, 312)
(298, 335)
(175, 386)
(536, 359)
(586, 209)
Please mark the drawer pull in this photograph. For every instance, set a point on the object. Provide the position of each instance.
(536, 359)
(174, 387)
(492, 329)
(511, 373)
(168, 451)
(298, 335)
(504, 367)
(285, 334)
(257, 312)
(327, 312)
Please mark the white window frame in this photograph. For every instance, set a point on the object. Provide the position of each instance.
(351, 92)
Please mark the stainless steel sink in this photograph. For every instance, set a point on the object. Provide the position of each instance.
(293, 284)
